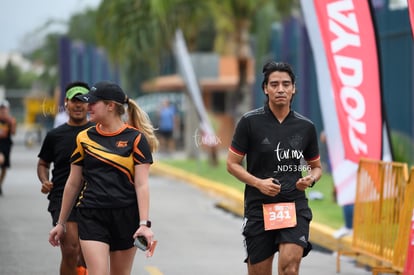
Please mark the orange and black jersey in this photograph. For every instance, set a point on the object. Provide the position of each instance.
(108, 162)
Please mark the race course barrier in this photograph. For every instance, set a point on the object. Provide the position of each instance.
(382, 215)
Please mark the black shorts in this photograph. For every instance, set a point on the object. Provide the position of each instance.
(5, 150)
(115, 227)
(261, 244)
(166, 133)
(73, 216)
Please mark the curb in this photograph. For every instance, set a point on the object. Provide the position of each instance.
(232, 201)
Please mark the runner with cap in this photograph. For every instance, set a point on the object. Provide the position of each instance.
(57, 147)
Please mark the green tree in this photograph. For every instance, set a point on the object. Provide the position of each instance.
(11, 76)
(141, 31)
(82, 26)
(235, 22)
(1, 77)
(138, 34)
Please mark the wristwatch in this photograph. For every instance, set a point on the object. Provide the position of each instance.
(314, 181)
(146, 223)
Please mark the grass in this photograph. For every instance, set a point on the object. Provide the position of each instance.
(325, 211)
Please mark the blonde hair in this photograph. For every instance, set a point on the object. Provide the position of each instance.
(139, 119)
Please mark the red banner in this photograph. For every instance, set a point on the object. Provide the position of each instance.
(411, 12)
(343, 39)
(349, 40)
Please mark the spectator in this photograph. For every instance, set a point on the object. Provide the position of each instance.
(7, 130)
(167, 126)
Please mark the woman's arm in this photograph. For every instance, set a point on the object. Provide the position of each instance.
(73, 186)
(142, 190)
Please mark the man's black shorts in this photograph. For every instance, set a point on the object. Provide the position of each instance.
(261, 244)
(115, 227)
(166, 133)
(73, 216)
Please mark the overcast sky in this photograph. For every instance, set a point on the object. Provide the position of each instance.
(20, 18)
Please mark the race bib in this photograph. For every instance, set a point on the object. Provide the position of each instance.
(279, 215)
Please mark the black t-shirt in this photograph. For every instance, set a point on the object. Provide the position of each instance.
(277, 150)
(57, 147)
(108, 162)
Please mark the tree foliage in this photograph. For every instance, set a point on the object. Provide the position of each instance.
(12, 77)
(141, 31)
(137, 34)
(82, 26)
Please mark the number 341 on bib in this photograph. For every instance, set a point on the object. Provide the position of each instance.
(279, 215)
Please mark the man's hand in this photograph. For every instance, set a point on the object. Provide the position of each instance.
(304, 182)
(46, 187)
(268, 187)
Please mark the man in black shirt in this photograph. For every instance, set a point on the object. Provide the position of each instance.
(281, 149)
(57, 148)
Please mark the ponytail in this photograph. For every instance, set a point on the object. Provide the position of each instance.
(139, 119)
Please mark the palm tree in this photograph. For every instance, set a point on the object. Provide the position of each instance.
(141, 31)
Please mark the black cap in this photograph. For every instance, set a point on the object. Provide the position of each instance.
(104, 90)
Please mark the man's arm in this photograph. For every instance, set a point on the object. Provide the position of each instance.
(235, 167)
(314, 174)
(43, 169)
(13, 126)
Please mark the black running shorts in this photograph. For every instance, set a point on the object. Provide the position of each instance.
(115, 227)
(261, 244)
(73, 216)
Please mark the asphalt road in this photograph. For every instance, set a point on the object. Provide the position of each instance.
(194, 237)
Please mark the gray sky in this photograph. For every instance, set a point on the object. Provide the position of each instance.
(20, 18)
